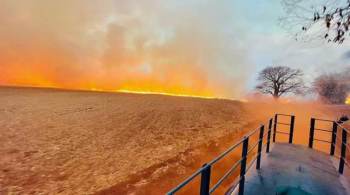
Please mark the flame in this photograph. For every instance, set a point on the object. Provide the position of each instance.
(129, 86)
(176, 86)
(174, 92)
(173, 88)
(168, 94)
(347, 101)
(100, 51)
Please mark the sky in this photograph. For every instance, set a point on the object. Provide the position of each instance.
(192, 47)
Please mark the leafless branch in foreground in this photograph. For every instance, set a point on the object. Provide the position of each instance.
(321, 19)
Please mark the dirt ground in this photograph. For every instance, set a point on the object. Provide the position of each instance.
(76, 142)
(70, 142)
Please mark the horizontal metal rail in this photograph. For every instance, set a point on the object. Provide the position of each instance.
(252, 162)
(256, 159)
(281, 132)
(267, 133)
(321, 140)
(232, 147)
(342, 127)
(324, 120)
(279, 114)
(188, 180)
(283, 124)
(236, 183)
(344, 147)
(226, 152)
(205, 171)
(342, 143)
(227, 174)
(207, 166)
(345, 160)
(253, 147)
(253, 132)
(325, 130)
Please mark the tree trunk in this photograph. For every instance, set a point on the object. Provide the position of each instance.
(275, 94)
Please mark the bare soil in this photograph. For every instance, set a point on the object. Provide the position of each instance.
(76, 142)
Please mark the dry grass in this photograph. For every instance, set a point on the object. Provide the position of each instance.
(74, 142)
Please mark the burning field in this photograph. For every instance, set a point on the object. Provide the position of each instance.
(77, 142)
(92, 103)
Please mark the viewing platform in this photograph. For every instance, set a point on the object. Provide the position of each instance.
(282, 168)
(302, 171)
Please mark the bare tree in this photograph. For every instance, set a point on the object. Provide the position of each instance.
(332, 88)
(280, 80)
(326, 19)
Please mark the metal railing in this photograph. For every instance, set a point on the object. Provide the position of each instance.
(273, 126)
(291, 127)
(205, 171)
(344, 146)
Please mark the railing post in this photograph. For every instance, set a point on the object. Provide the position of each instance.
(269, 137)
(205, 180)
(274, 129)
(261, 137)
(312, 131)
(343, 152)
(291, 132)
(243, 165)
(334, 138)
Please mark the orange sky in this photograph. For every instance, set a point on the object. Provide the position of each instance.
(196, 47)
(118, 45)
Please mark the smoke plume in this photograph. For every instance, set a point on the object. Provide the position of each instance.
(157, 46)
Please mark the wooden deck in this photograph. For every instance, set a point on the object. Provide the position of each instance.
(294, 169)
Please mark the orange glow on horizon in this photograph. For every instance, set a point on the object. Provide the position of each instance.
(97, 50)
(347, 101)
(174, 85)
(166, 93)
(166, 88)
(145, 88)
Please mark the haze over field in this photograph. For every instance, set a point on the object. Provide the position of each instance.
(66, 128)
(205, 48)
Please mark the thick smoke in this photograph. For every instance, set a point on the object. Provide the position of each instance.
(164, 46)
